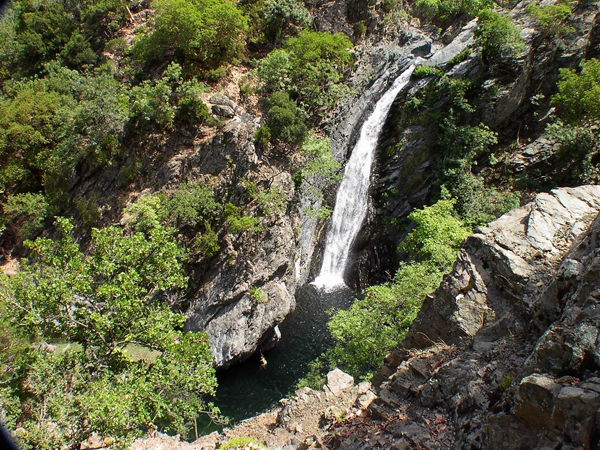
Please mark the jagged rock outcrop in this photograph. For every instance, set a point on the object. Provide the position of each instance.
(505, 353)
(408, 162)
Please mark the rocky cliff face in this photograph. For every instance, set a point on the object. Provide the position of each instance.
(407, 162)
(505, 353)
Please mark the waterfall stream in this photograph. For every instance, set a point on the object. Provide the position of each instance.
(352, 196)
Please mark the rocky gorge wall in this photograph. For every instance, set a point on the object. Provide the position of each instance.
(504, 354)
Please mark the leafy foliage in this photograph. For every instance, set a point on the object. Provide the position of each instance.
(577, 127)
(578, 97)
(285, 121)
(442, 11)
(208, 32)
(284, 18)
(374, 325)
(26, 212)
(309, 68)
(100, 304)
(551, 18)
(497, 36)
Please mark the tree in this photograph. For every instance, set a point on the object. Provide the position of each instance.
(209, 32)
(578, 97)
(101, 304)
(497, 36)
(309, 68)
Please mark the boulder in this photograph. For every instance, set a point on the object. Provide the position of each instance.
(338, 382)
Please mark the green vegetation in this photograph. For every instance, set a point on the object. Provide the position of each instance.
(497, 36)
(551, 18)
(442, 11)
(257, 295)
(426, 71)
(284, 122)
(102, 302)
(239, 442)
(374, 325)
(309, 68)
(25, 213)
(576, 129)
(207, 32)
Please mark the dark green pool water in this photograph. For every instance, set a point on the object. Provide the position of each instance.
(249, 389)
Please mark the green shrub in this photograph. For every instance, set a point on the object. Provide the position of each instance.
(26, 212)
(88, 210)
(207, 243)
(283, 18)
(192, 204)
(437, 235)
(238, 222)
(309, 68)
(209, 32)
(578, 97)
(551, 18)
(426, 71)
(442, 11)
(497, 36)
(577, 103)
(475, 203)
(100, 302)
(285, 121)
(272, 202)
(190, 107)
(239, 442)
(374, 325)
(151, 102)
(147, 212)
(359, 29)
(215, 75)
(257, 295)
(262, 137)
(319, 172)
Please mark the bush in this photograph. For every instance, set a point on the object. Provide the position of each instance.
(100, 302)
(147, 212)
(551, 18)
(577, 102)
(437, 234)
(578, 97)
(26, 212)
(190, 107)
(257, 295)
(497, 36)
(375, 325)
(238, 222)
(442, 11)
(209, 32)
(207, 243)
(476, 204)
(239, 442)
(283, 18)
(426, 71)
(192, 204)
(285, 121)
(309, 68)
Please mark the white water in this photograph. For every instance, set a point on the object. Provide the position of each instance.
(352, 196)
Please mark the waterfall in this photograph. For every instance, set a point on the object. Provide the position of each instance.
(352, 196)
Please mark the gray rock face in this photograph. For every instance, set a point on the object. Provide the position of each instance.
(505, 354)
(510, 259)
(243, 298)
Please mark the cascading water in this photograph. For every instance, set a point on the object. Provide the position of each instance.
(351, 201)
